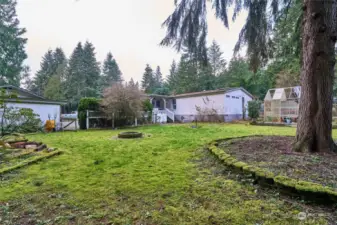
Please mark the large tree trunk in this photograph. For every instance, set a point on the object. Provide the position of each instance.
(314, 129)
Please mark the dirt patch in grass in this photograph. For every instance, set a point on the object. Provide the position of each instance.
(275, 154)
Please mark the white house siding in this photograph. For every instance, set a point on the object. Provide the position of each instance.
(41, 109)
(228, 108)
(186, 107)
(233, 104)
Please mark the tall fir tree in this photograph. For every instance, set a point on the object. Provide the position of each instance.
(216, 61)
(171, 78)
(26, 80)
(60, 62)
(12, 44)
(54, 89)
(75, 77)
(53, 63)
(148, 81)
(110, 72)
(42, 76)
(187, 75)
(91, 71)
(158, 78)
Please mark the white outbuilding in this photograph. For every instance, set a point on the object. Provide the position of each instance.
(45, 108)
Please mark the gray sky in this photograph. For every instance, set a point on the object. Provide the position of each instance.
(130, 29)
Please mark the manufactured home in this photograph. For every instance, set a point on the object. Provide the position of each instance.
(222, 105)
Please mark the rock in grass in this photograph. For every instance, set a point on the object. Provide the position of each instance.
(31, 147)
(7, 145)
(302, 216)
(51, 149)
(41, 147)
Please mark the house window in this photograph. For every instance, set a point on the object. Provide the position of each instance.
(237, 97)
(174, 102)
(233, 96)
(228, 96)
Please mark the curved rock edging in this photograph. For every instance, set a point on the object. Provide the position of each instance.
(304, 189)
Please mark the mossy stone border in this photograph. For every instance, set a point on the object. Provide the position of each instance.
(306, 190)
(29, 162)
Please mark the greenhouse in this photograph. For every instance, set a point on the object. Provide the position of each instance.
(281, 104)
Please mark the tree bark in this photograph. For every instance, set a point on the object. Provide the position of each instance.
(314, 129)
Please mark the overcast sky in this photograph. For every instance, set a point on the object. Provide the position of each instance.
(130, 29)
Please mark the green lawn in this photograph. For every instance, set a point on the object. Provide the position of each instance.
(163, 179)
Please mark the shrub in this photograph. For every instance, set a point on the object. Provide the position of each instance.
(21, 120)
(254, 109)
(84, 105)
(148, 109)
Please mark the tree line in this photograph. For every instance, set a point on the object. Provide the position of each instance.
(79, 76)
(192, 74)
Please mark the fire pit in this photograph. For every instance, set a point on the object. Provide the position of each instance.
(129, 135)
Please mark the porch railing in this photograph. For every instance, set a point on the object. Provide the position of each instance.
(169, 114)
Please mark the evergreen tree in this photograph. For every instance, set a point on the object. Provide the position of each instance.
(131, 83)
(238, 74)
(171, 78)
(54, 90)
(216, 61)
(53, 62)
(75, 76)
(206, 79)
(111, 72)
(187, 75)
(148, 81)
(47, 69)
(26, 80)
(91, 71)
(158, 78)
(60, 62)
(12, 44)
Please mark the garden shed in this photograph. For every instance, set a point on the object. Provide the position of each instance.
(282, 103)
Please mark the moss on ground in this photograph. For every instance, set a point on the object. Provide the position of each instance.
(303, 188)
(153, 180)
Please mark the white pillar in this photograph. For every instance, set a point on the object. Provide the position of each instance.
(164, 103)
(136, 122)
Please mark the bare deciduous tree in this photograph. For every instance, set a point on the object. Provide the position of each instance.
(122, 101)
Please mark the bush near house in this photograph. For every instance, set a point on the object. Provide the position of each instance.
(254, 109)
(148, 108)
(84, 105)
(21, 120)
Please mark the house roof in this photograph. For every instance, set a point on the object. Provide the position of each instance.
(212, 92)
(201, 93)
(31, 97)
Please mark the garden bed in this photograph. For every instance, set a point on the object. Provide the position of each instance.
(274, 153)
(277, 166)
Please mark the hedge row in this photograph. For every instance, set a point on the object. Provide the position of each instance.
(306, 190)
